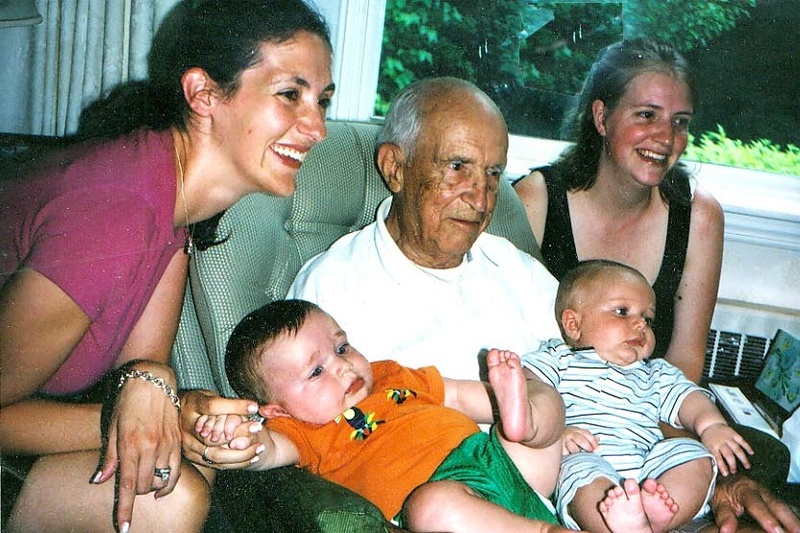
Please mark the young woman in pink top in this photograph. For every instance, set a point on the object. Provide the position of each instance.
(95, 245)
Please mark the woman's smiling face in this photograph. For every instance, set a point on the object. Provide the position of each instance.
(647, 132)
(277, 114)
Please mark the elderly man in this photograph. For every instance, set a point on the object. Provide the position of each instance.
(424, 284)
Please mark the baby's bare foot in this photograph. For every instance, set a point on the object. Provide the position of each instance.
(622, 509)
(658, 505)
(511, 392)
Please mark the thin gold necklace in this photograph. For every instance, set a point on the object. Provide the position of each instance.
(188, 246)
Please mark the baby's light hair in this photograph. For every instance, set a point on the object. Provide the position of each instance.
(576, 280)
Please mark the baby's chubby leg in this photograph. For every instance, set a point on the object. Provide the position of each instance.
(452, 506)
(509, 385)
(531, 420)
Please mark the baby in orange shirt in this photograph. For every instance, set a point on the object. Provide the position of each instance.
(405, 439)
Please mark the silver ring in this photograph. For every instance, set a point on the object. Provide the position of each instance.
(205, 457)
(163, 473)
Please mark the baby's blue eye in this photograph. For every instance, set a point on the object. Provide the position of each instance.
(649, 321)
(342, 349)
(317, 372)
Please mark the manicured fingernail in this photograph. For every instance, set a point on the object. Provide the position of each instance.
(252, 408)
(255, 428)
(254, 459)
(96, 478)
(125, 527)
(260, 449)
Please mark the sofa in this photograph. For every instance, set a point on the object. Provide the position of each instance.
(266, 241)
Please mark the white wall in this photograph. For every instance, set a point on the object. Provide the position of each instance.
(760, 286)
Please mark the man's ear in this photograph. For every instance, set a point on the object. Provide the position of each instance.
(272, 410)
(571, 323)
(390, 163)
(199, 90)
(599, 116)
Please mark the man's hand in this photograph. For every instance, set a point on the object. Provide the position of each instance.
(737, 494)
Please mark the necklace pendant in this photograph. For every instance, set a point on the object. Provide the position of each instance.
(188, 246)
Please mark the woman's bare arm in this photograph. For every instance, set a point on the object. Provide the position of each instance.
(144, 431)
(532, 191)
(154, 333)
(40, 326)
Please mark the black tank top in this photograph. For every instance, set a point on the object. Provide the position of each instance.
(558, 250)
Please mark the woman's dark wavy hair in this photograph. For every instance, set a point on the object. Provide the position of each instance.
(223, 38)
(611, 74)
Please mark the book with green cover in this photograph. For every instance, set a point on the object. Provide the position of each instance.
(780, 378)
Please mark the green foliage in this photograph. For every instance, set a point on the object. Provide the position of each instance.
(550, 45)
(478, 41)
(412, 47)
(690, 23)
(544, 44)
(762, 154)
(564, 50)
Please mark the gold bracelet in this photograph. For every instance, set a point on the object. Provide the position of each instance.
(150, 378)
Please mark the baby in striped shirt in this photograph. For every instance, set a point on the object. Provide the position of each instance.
(618, 472)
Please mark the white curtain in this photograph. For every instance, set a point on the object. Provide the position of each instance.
(80, 50)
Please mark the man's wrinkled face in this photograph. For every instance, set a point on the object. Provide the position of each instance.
(450, 188)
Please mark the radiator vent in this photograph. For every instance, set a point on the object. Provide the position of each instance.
(734, 355)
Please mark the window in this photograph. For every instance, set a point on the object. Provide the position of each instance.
(531, 56)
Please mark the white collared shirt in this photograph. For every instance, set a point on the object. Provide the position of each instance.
(391, 308)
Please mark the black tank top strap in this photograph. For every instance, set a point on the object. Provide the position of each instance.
(558, 243)
(671, 271)
(560, 254)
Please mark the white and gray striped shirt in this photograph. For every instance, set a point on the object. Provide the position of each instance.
(620, 405)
